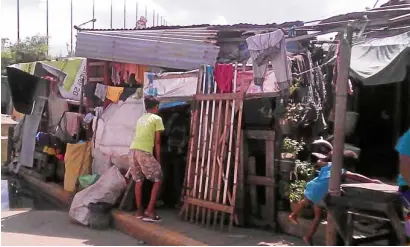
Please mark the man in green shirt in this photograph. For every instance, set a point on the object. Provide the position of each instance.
(143, 164)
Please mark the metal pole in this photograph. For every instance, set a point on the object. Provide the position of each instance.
(158, 24)
(125, 13)
(18, 21)
(153, 18)
(136, 12)
(111, 16)
(80, 110)
(47, 26)
(71, 29)
(343, 64)
(162, 23)
(146, 13)
(93, 13)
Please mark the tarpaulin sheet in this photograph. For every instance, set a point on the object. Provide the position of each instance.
(69, 72)
(173, 84)
(77, 163)
(381, 60)
(116, 126)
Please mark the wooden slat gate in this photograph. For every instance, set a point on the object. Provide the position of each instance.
(211, 178)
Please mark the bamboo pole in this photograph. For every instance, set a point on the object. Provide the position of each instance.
(220, 159)
(339, 128)
(228, 163)
(209, 150)
(198, 148)
(215, 155)
(203, 156)
(237, 155)
(194, 136)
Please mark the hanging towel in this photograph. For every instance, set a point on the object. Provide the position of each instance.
(128, 91)
(113, 93)
(270, 47)
(72, 122)
(224, 75)
(100, 91)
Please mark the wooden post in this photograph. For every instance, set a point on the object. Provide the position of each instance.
(343, 64)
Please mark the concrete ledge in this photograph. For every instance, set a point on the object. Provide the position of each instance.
(150, 233)
(52, 189)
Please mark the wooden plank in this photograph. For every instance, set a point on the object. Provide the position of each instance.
(210, 205)
(240, 200)
(260, 134)
(260, 181)
(252, 188)
(270, 174)
(218, 96)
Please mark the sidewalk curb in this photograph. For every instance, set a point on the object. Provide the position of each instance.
(150, 233)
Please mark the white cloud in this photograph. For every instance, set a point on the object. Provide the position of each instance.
(220, 20)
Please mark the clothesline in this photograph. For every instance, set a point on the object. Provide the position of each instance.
(317, 67)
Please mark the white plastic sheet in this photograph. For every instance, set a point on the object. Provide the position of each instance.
(116, 126)
(107, 189)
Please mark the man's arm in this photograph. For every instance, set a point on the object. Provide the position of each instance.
(405, 167)
(157, 146)
(360, 178)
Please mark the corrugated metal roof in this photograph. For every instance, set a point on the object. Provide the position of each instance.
(243, 26)
(183, 48)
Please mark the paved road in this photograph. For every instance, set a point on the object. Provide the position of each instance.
(32, 227)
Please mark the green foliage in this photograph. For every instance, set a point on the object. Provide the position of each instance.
(304, 171)
(29, 50)
(292, 147)
(294, 113)
(297, 190)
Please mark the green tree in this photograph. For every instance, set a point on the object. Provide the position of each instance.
(29, 50)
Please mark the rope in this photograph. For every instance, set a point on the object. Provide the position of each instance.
(317, 67)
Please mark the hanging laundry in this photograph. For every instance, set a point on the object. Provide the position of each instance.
(115, 73)
(140, 74)
(113, 93)
(100, 91)
(128, 91)
(223, 76)
(270, 47)
(73, 122)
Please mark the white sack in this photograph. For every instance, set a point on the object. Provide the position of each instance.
(107, 189)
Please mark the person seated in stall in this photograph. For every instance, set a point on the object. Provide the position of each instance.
(143, 164)
(403, 148)
(317, 189)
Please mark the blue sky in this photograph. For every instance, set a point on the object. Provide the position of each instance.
(177, 12)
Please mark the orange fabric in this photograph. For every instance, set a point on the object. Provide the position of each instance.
(113, 93)
(139, 76)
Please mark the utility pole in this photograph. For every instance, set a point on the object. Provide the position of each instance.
(125, 13)
(153, 18)
(343, 65)
(18, 21)
(158, 24)
(71, 29)
(48, 39)
(93, 13)
(111, 16)
(146, 13)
